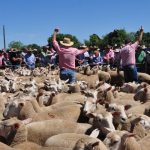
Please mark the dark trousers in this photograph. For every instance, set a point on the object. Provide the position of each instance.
(130, 73)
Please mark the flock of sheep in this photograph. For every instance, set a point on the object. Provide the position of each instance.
(38, 111)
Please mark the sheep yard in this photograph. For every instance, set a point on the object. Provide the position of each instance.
(98, 112)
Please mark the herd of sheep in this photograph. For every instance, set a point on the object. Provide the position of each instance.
(38, 111)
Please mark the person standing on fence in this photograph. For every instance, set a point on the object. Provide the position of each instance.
(67, 55)
(127, 55)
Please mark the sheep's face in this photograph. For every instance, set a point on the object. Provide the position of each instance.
(89, 106)
(7, 126)
(119, 110)
(145, 121)
(113, 140)
(83, 85)
(127, 88)
(82, 145)
(104, 122)
(12, 109)
(91, 93)
(143, 95)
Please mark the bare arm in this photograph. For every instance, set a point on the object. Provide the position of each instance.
(55, 34)
(141, 35)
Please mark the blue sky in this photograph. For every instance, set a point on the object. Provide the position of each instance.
(33, 21)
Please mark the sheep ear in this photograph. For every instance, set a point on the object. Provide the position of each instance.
(106, 105)
(131, 134)
(53, 94)
(95, 133)
(16, 126)
(21, 104)
(145, 90)
(126, 107)
(144, 85)
(27, 121)
(95, 144)
(109, 88)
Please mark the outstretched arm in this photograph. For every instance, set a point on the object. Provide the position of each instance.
(141, 35)
(55, 34)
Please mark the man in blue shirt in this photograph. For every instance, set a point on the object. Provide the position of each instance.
(30, 59)
(97, 59)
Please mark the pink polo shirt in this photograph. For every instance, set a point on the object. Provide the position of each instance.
(109, 54)
(127, 54)
(67, 56)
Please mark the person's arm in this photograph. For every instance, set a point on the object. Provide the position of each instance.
(55, 34)
(141, 35)
(81, 51)
(55, 43)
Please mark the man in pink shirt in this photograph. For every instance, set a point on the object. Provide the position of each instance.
(127, 55)
(67, 55)
(109, 56)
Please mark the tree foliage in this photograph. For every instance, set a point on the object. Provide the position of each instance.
(15, 44)
(94, 40)
(61, 36)
(116, 37)
(34, 46)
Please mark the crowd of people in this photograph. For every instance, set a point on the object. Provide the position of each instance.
(67, 57)
(31, 58)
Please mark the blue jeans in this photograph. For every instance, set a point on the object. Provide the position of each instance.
(31, 66)
(66, 74)
(130, 73)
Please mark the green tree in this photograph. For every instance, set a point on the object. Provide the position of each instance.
(34, 46)
(116, 37)
(15, 44)
(61, 36)
(94, 40)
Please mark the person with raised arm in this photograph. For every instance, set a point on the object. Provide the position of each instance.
(127, 56)
(67, 55)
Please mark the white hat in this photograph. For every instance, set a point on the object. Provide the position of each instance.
(66, 42)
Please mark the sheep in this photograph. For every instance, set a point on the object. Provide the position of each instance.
(6, 147)
(70, 141)
(116, 79)
(14, 108)
(38, 132)
(121, 140)
(143, 95)
(144, 143)
(104, 76)
(30, 146)
(30, 109)
(62, 97)
(2, 105)
(132, 87)
(143, 77)
(91, 80)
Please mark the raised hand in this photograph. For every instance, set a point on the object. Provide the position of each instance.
(56, 30)
(141, 29)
